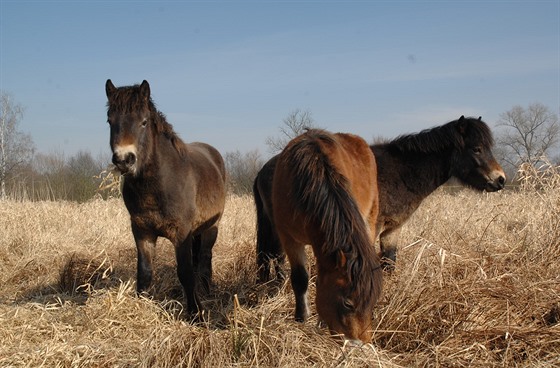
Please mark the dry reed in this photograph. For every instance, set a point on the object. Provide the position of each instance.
(476, 284)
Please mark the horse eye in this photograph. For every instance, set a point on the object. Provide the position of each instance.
(144, 122)
(477, 150)
(348, 305)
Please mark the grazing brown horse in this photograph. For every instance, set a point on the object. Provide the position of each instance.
(171, 189)
(324, 190)
(409, 169)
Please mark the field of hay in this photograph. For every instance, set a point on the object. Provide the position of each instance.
(477, 284)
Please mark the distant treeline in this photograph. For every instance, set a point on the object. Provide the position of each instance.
(80, 177)
(57, 177)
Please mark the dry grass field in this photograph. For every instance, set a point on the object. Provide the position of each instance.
(477, 284)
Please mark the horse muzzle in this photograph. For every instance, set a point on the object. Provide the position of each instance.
(496, 182)
(125, 162)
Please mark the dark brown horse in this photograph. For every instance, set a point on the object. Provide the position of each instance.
(409, 169)
(171, 189)
(323, 192)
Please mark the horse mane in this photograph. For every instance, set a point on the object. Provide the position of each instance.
(128, 99)
(442, 138)
(322, 193)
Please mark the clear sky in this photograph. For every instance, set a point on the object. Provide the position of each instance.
(229, 72)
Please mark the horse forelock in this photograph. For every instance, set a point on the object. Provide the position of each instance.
(448, 136)
(480, 132)
(128, 99)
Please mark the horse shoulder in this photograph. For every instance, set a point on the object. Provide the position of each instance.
(396, 202)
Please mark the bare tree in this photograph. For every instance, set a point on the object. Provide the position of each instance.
(527, 134)
(295, 124)
(16, 148)
(49, 163)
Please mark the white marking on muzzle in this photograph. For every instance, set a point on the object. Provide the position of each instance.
(352, 343)
(122, 151)
(495, 174)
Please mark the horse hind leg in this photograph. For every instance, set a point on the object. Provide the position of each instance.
(279, 260)
(204, 257)
(269, 249)
(186, 274)
(270, 256)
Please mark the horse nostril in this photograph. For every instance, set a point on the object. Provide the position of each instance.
(502, 181)
(116, 160)
(130, 159)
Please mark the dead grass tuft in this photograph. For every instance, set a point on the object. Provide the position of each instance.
(81, 274)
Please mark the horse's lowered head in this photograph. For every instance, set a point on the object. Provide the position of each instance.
(344, 304)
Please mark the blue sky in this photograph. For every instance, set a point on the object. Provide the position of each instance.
(229, 72)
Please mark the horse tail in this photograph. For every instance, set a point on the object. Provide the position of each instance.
(323, 194)
(269, 249)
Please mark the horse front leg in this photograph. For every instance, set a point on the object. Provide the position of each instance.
(388, 242)
(298, 276)
(186, 274)
(145, 246)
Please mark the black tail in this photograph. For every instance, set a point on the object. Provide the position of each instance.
(269, 249)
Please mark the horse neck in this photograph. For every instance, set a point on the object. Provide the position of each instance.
(420, 173)
(431, 171)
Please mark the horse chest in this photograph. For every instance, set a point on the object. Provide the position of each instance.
(151, 214)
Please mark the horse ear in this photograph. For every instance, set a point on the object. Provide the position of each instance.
(145, 89)
(110, 88)
(480, 118)
(461, 125)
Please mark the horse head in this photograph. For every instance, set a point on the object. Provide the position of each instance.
(129, 114)
(345, 308)
(473, 161)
